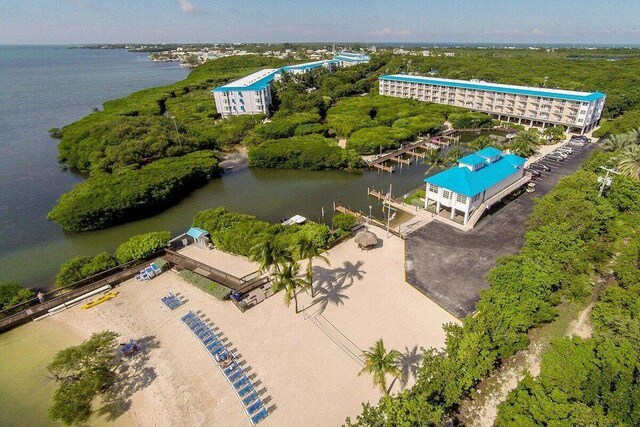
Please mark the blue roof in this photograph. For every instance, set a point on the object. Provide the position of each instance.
(522, 90)
(196, 232)
(309, 65)
(260, 84)
(351, 58)
(471, 160)
(489, 152)
(462, 180)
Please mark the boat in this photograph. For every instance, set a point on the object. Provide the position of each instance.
(103, 298)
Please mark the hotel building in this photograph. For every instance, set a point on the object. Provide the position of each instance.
(248, 95)
(347, 59)
(576, 111)
(478, 181)
(252, 94)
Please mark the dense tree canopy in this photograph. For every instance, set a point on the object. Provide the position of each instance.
(12, 293)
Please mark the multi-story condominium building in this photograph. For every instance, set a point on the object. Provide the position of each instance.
(576, 111)
(329, 64)
(248, 95)
(252, 94)
(347, 59)
(481, 177)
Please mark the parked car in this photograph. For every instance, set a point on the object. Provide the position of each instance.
(581, 138)
(560, 153)
(556, 157)
(577, 143)
(567, 150)
(535, 173)
(542, 166)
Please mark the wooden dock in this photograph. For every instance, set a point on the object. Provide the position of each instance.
(415, 149)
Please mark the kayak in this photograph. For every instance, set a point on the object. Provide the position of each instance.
(103, 298)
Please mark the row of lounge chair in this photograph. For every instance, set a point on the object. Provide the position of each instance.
(227, 363)
(171, 301)
(148, 273)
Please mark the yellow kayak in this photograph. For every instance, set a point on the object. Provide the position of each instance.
(103, 298)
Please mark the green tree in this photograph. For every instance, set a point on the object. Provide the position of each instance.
(453, 155)
(481, 142)
(306, 249)
(435, 160)
(554, 133)
(287, 279)
(82, 373)
(142, 245)
(12, 293)
(525, 143)
(621, 141)
(378, 362)
(629, 162)
(79, 268)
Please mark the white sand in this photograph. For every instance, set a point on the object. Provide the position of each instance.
(305, 365)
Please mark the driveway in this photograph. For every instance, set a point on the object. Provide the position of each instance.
(449, 265)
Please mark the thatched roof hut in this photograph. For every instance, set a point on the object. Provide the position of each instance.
(366, 239)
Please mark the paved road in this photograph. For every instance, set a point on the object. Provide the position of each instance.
(449, 265)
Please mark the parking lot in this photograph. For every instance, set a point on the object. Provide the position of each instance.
(449, 265)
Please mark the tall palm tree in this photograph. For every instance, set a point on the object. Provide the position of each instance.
(286, 278)
(379, 362)
(453, 155)
(629, 162)
(269, 254)
(306, 249)
(435, 160)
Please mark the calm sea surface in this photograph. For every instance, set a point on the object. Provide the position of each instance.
(45, 87)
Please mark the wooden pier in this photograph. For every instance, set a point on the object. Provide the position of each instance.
(415, 149)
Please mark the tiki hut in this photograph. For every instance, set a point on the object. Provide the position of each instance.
(366, 239)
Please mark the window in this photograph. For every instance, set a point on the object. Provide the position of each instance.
(433, 188)
(446, 194)
(460, 198)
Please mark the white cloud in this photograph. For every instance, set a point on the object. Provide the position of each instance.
(187, 7)
(389, 32)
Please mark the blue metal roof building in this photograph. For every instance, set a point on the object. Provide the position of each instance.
(262, 80)
(495, 87)
(472, 181)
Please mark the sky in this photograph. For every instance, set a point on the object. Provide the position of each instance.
(185, 21)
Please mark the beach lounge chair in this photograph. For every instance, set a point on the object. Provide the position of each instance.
(213, 344)
(241, 382)
(208, 340)
(199, 328)
(217, 350)
(235, 375)
(259, 416)
(247, 400)
(157, 270)
(227, 371)
(149, 271)
(246, 390)
(253, 408)
(187, 316)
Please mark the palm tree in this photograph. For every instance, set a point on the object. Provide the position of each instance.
(379, 362)
(481, 142)
(435, 160)
(269, 254)
(306, 249)
(287, 279)
(621, 140)
(453, 155)
(525, 143)
(629, 162)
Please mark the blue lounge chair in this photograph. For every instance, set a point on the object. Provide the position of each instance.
(235, 375)
(197, 326)
(149, 272)
(217, 350)
(230, 368)
(155, 268)
(241, 382)
(204, 332)
(246, 401)
(259, 416)
(251, 409)
(187, 316)
(244, 391)
(212, 345)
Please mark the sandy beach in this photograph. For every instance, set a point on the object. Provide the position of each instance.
(304, 365)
